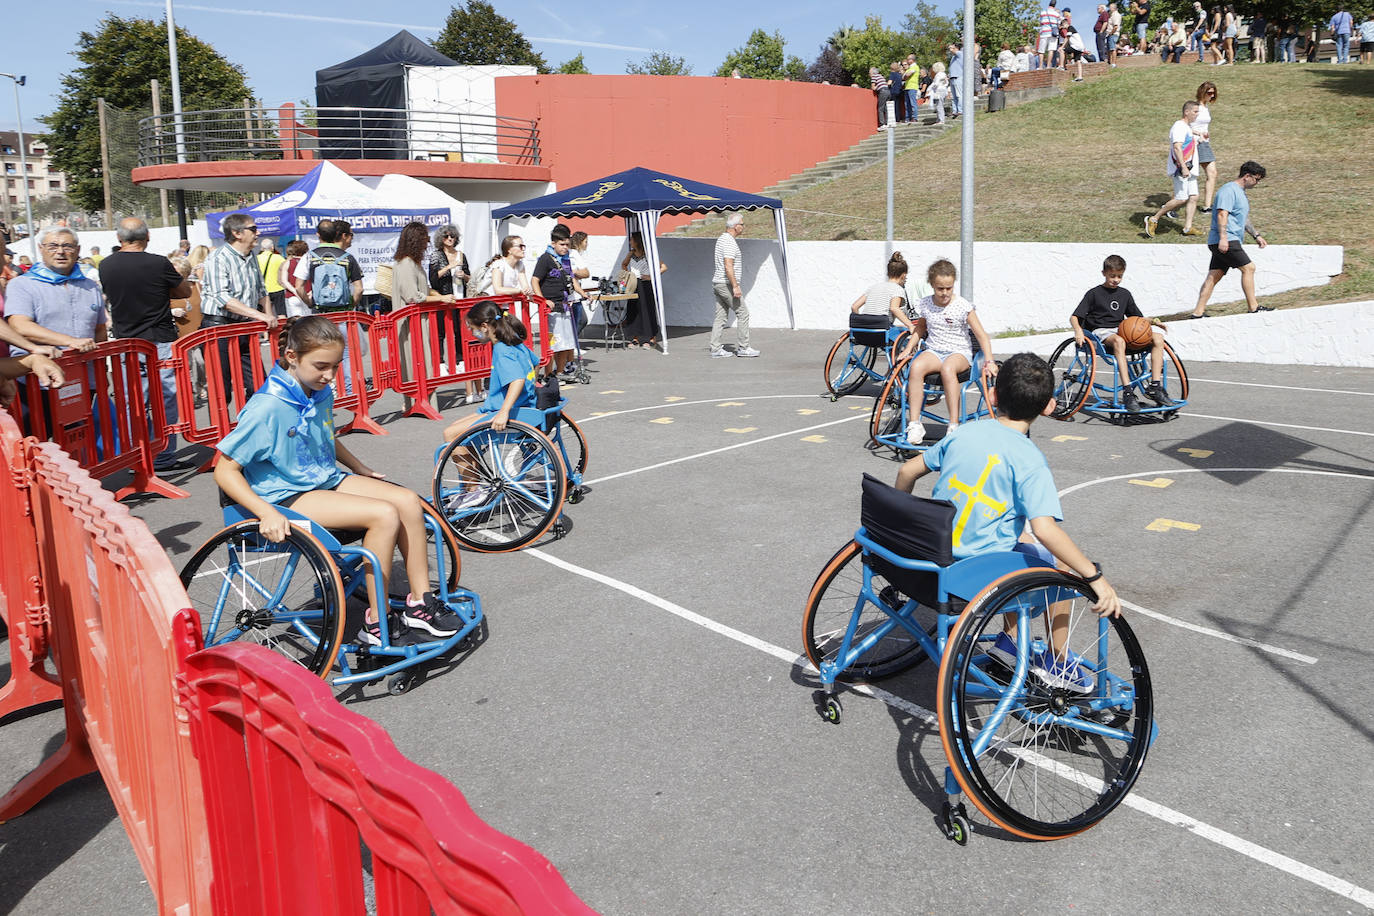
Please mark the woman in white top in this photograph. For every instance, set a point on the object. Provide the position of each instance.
(938, 90)
(945, 320)
(1202, 129)
(508, 277)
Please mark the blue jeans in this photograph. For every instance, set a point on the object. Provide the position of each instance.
(1195, 42)
(912, 97)
(955, 101)
(1286, 49)
(168, 379)
(1342, 49)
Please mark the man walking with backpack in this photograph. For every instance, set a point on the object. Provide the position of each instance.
(329, 278)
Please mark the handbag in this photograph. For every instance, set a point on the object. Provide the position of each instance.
(383, 281)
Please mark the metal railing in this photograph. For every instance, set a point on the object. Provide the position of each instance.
(288, 132)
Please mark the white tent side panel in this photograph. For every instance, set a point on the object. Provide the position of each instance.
(453, 111)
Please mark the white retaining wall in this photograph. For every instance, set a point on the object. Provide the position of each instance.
(1017, 285)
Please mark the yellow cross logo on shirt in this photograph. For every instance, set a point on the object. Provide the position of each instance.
(973, 495)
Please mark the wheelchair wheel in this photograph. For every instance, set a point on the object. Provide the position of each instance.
(830, 606)
(286, 596)
(842, 374)
(574, 444)
(507, 493)
(886, 418)
(441, 540)
(1042, 759)
(1175, 376)
(1073, 368)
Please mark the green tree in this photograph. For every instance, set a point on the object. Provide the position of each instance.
(576, 65)
(476, 34)
(659, 64)
(763, 57)
(929, 34)
(1012, 21)
(828, 67)
(117, 62)
(875, 45)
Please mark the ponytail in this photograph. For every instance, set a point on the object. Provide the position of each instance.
(508, 328)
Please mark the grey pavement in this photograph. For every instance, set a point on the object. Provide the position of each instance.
(653, 738)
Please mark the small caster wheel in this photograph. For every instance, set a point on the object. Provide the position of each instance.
(957, 827)
(576, 495)
(831, 710)
(834, 398)
(398, 684)
(560, 530)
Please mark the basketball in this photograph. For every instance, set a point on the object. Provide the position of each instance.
(1136, 332)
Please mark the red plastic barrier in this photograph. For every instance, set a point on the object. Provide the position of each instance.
(418, 369)
(101, 415)
(293, 780)
(21, 588)
(221, 407)
(113, 599)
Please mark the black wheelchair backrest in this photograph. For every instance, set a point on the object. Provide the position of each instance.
(910, 526)
(869, 330)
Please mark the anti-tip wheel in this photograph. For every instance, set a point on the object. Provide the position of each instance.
(398, 684)
(957, 827)
(831, 710)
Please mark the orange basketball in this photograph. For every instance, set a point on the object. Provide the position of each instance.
(1136, 332)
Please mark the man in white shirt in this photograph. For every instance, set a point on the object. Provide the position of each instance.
(1183, 169)
(725, 284)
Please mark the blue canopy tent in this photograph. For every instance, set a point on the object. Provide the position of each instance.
(641, 196)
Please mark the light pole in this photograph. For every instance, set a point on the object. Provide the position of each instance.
(23, 154)
(176, 114)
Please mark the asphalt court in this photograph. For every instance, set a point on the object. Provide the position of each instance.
(637, 715)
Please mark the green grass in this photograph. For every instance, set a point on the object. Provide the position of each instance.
(1088, 166)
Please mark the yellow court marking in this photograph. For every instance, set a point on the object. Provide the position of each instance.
(1069, 439)
(1158, 483)
(676, 397)
(1197, 452)
(664, 420)
(731, 404)
(740, 429)
(806, 411)
(814, 439)
(612, 391)
(861, 407)
(1164, 524)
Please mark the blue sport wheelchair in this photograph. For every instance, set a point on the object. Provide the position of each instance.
(292, 596)
(853, 358)
(891, 415)
(507, 488)
(1085, 379)
(1045, 709)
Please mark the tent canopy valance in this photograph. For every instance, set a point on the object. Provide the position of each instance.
(641, 196)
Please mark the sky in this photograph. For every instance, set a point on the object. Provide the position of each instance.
(280, 50)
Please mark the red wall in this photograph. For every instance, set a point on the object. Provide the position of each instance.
(742, 134)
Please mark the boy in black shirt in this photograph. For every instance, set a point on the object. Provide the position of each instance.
(1101, 312)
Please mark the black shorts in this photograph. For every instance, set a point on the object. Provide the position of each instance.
(290, 500)
(1233, 256)
(1073, 55)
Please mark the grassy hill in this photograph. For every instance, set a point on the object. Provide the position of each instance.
(1089, 165)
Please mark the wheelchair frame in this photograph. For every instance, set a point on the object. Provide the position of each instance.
(1077, 388)
(317, 628)
(525, 500)
(994, 721)
(891, 415)
(859, 359)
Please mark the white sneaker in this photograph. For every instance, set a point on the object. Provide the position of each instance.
(472, 498)
(721, 353)
(915, 432)
(746, 351)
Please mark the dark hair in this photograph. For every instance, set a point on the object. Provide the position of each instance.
(560, 233)
(1208, 88)
(509, 329)
(344, 227)
(1025, 385)
(414, 242)
(328, 231)
(1251, 167)
(296, 247)
(507, 244)
(578, 239)
(896, 266)
(302, 335)
(1190, 105)
(941, 268)
(235, 223)
(1114, 262)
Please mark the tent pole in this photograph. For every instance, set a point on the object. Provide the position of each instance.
(648, 221)
(780, 222)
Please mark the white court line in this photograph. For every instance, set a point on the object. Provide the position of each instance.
(1316, 429)
(1219, 634)
(725, 448)
(1217, 381)
(666, 405)
(1230, 841)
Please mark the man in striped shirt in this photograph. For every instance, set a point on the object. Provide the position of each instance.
(232, 291)
(881, 91)
(1049, 34)
(725, 284)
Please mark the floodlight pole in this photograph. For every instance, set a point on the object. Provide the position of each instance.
(891, 134)
(23, 154)
(176, 113)
(967, 89)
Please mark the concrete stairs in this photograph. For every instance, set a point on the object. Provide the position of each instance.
(867, 152)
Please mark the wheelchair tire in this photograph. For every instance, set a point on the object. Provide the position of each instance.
(445, 541)
(1175, 375)
(843, 375)
(829, 608)
(1073, 368)
(574, 444)
(1057, 761)
(286, 596)
(886, 418)
(521, 502)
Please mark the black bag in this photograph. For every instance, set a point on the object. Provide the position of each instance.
(546, 394)
(869, 330)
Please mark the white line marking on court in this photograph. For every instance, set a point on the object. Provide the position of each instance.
(1219, 634)
(1316, 429)
(756, 397)
(717, 451)
(1222, 838)
(1217, 381)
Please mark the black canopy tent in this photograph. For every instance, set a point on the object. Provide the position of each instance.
(373, 79)
(641, 196)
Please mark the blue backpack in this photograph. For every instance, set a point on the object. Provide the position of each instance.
(329, 281)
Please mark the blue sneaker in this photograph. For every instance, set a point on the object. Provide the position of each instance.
(1063, 674)
(1003, 649)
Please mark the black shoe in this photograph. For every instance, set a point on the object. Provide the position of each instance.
(1155, 392)
(397, 631)
(433, 617)
(1130, 403)
(1263, 308)
(171, 467)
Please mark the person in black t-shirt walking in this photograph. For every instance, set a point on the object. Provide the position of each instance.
(139, 287)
